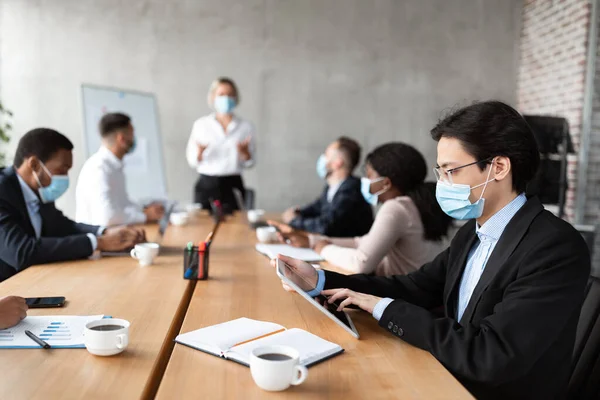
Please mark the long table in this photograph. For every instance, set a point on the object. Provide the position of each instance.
(154, 299)
(160, 304)
(243, 284)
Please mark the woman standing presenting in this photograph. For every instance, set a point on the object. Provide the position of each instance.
(220, 147)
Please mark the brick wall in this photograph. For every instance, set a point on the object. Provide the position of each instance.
(552, 67)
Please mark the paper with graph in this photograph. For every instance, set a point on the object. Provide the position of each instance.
(60, 331)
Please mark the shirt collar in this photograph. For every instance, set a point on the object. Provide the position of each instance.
(28, 194)
(109, 156)
(494, 226)
(232, 125)
(336, 185)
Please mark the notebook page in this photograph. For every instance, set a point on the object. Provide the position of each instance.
(311, 347)
(218, 338)
(271, 251)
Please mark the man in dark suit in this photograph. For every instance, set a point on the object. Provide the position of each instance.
(32, 230)
(510, 285)
(341, 211)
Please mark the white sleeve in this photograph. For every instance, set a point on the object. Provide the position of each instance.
(134, 214)
(252, 148)
(104, 207)
(192, 148)
(346, 258)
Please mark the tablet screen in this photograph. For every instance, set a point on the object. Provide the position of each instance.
(299, 283)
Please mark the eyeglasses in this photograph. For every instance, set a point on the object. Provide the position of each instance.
(446, 175)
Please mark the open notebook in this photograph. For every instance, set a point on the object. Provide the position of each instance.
(234, 340)
(271, 251)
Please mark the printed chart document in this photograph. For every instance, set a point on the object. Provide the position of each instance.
(60, 332)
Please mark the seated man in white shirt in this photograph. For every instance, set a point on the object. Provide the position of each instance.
(101, 193)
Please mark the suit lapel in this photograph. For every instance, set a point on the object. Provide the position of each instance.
(510, 239)
(20, 198)
(339, 189)
(459, 267)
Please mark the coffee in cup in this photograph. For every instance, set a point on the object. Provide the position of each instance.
(106, 337)
(275, 368)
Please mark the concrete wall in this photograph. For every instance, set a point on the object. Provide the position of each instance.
(309, 71)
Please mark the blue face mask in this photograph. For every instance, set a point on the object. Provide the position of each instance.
(224, 104)
(58, 186)
(365, 189)
(322, 166)
(454, 199)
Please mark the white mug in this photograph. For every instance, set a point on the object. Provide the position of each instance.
(275, 368)
(145, 253)
(106, 337)
(179, 218)
(266, 234)
(255, 215)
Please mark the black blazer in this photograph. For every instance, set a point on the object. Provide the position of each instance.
(61, 238)
(348, 214)
(516, 337)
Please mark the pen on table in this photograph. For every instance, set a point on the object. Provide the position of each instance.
(38, 340)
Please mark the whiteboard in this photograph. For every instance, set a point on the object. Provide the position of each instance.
(144, 172)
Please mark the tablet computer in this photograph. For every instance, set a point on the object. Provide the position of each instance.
(302, 287)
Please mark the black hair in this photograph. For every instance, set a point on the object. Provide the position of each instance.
(490, 129)
(406, 168)
(42, 143)
(113, 122)
(351, 150)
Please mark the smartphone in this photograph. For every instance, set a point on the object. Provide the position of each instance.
(45, 302)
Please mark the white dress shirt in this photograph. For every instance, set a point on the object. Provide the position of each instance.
(221, 157)
(33, 209)
(101, 194)
(332, 190)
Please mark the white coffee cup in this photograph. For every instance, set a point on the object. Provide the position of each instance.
(145, 253)
(106, 337)
(275, 368)
(179, 218)
(255, 215)
(193, 209)
(266, 234)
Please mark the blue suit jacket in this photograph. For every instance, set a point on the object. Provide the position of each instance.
(61, 240)
(348, 214)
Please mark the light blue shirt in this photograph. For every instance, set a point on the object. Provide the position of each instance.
(488, 234)
(33, 209)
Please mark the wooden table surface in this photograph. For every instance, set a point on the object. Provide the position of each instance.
(243, 284)
(154, 299)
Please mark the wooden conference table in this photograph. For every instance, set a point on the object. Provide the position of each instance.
(159, 303)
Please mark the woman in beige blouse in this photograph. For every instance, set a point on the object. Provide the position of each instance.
(409, 230)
